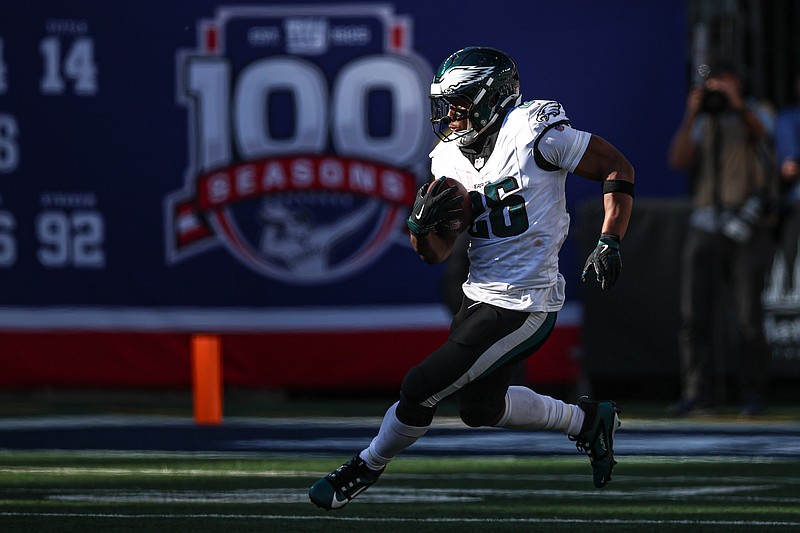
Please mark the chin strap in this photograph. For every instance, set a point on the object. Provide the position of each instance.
(467, 137)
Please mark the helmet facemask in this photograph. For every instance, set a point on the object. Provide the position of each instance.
(441, 118)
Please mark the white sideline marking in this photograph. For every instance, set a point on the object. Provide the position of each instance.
(197, 472)
(418, 495)
(412, 520)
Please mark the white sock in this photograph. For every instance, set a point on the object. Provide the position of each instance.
(525, 409)
(393, 437)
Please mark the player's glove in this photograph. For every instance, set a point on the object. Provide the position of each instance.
(606, 261)
(435, 203)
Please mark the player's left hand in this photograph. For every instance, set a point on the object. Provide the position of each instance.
(606, 261)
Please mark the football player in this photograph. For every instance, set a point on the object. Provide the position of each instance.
(513, 157)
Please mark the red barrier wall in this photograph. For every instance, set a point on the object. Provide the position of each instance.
(295, 360)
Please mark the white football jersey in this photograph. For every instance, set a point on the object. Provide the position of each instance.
(522, 219)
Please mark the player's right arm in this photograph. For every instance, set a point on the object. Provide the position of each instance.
(603, 162)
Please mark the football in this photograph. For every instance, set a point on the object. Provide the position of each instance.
(464, 220)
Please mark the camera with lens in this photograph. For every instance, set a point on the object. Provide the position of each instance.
(739, 225)
(713, 102)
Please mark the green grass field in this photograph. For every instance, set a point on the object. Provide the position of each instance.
(90, 492)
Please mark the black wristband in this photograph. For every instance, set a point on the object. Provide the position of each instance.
(625, 187)
(613, 236)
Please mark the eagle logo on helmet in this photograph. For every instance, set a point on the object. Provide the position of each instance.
(458, 77)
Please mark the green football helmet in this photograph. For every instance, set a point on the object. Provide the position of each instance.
(481, 80)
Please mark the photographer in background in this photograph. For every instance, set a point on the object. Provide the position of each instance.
(723, 141)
